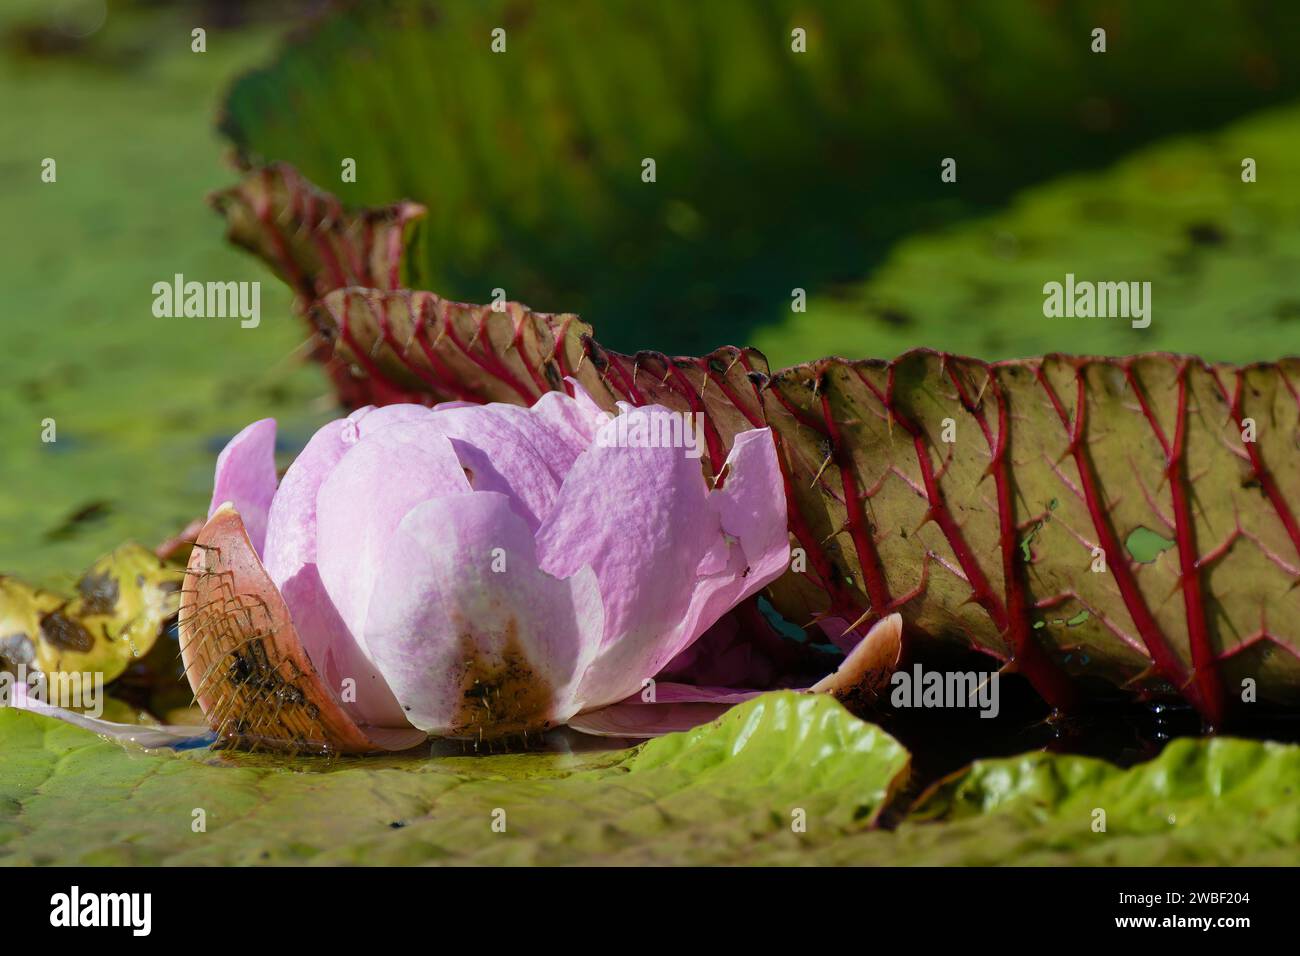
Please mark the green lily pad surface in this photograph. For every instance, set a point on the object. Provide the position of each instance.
(784, 779)
(735, 790)
(1217, 801)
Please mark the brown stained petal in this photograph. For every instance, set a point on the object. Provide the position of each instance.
(245, 661)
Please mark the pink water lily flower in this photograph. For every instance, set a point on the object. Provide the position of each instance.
(488, 570)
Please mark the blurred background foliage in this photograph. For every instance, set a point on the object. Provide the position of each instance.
(775, 170)
(820, 170)
(141, 405)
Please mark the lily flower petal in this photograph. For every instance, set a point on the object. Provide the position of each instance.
(511, 451)
(670, 555)
(364, 499)
(476, 640)
(290, 557)
(246, 477)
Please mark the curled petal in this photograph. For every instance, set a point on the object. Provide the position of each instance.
(148, 737)
(291, 522)
(579, 417)
(865, 672)
(671, 556)
(246, 477)
(476, 640)
(751, 512)
(638, 517)
(370, 419)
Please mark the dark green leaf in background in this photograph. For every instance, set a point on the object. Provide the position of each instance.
(777, 170)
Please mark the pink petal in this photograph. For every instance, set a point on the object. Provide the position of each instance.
(512, 451)
(751, 502)
(290, 560)
(591, 413)
(148, 737)
(638, 517)
(475, 639)
(246, 477)
(579, 417)
(644, 520)
(366, 496)
(291, 524)
(675, 707)
(337, 654)
(751, 510)
(837, 632)
(370, 419)
(670, 692)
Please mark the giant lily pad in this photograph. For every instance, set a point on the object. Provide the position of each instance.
(786, 772)
(136, 406)
(1221, 256)
(783, 779)
(1223, 801)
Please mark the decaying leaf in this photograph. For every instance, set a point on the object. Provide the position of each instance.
(121, 606)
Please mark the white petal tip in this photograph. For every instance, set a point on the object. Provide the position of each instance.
(869, 665)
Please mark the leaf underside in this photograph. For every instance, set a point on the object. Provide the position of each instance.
(993, 504)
